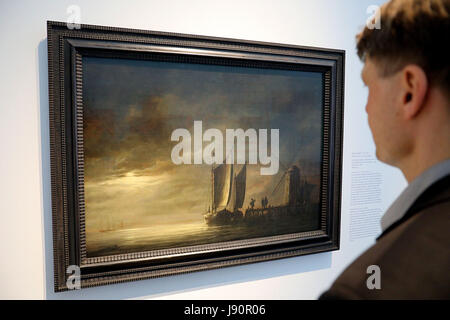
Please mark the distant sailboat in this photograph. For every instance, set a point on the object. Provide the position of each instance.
(109, 225)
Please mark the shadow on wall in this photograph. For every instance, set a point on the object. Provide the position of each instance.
(152, 287)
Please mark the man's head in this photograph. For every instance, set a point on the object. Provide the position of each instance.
(407, 70)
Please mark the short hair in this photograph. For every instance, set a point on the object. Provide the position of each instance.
(411, 32)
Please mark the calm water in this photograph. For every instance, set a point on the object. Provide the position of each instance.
(196, 233)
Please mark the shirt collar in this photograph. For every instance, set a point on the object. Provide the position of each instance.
(406, 199)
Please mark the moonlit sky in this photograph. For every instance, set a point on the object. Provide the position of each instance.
(131, 108)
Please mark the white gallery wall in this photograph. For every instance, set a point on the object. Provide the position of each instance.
(25, 201)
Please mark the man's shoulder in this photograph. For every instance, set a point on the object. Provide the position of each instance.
(438, 192)
(413, 257)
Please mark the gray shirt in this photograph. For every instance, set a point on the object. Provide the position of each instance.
(406, 199)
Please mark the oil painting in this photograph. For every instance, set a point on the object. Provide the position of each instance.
(138, 199)
(174, 153)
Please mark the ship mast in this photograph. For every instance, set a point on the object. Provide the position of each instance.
(212, 189)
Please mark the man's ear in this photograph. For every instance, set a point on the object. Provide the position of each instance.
(414, 84)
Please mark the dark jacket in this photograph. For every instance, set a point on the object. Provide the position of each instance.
(413, 254)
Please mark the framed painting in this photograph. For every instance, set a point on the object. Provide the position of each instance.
(174, 153)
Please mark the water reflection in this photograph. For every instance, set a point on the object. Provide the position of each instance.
(186, 234)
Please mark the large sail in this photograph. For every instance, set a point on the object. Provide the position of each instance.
(232, 201)
(222, 181)
(240, 182)
(237, 190)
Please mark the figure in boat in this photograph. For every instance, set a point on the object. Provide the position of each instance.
(252, 203)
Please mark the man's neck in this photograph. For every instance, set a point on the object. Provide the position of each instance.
(413, 168)
(431, 137)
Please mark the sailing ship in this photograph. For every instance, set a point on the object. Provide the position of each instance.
(228, 190)
(227, 194)
(109, 225)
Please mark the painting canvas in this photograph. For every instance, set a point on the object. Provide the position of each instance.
(138, 199)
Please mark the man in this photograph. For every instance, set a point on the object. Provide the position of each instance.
(406, 70)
